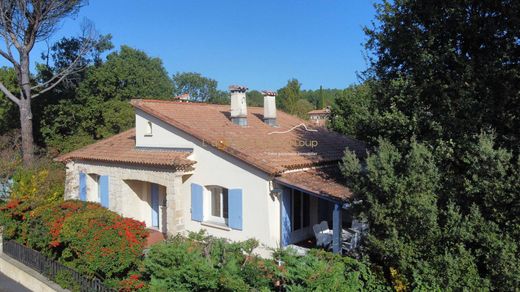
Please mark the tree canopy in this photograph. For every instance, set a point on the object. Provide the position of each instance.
(101, 107)
(439, 107)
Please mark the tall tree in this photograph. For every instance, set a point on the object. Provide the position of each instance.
(289, 95)
(447, 69)
(101, 105)
(22, 24)
(200, 88)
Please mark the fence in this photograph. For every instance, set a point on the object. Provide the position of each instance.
(50, 268)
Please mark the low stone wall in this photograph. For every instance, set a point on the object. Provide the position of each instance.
(26, 276)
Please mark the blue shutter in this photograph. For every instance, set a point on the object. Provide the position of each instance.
(82, 186)
(103, 190)
(155, 204)
(196, 202)
(235, 208)
(286, 203)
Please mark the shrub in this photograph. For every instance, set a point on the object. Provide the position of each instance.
(201, 262)
(82, 235)
(102, 243)
(66, 280)
(44, 181)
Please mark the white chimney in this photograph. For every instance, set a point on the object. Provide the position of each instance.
(238, 104)
(269, 107)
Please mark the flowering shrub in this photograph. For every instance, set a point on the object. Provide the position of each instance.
(85, 236)
(101, 243)
(45, 181)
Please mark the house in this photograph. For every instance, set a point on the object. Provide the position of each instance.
(319, 117)
(183, 97)
(238, 172)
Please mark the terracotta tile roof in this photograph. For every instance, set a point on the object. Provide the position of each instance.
(324, 181)
(121, 148)
(293, 144)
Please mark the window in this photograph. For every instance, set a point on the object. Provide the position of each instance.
(218, 204)
(300, 210)
(148, 129)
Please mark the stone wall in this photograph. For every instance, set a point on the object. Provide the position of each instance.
(118, 173)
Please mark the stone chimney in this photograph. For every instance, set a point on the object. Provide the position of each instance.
(269, 107)
(238, 105)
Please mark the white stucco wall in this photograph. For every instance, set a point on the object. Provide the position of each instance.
(261, 212)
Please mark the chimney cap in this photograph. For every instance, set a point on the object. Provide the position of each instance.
(238, 88)
(269, 93)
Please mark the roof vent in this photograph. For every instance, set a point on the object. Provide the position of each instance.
(269, 107)
(238, 105)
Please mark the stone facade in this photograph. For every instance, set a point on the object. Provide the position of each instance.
(118, 173)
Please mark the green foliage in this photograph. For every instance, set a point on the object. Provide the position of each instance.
(82, 235)
(449, 67)
(351, 113)
(9, 116)
(200, 88)
(290, 99)
(435, 244)
(66, 281)
(10, 162)
(440, 191)
(203, 263)
(255, 98)
(102, 107)
(44, 180)
(322, 97)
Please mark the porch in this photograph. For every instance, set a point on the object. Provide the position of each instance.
(316, 212)
(145, 202)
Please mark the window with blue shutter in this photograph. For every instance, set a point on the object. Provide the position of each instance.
(155, 204)
(196, 202)
(103, 190)
(235, 208)
(82, 186)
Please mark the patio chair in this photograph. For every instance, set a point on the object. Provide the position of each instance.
(324, 225)
(360, 226)
(352, 242)
(322, 239)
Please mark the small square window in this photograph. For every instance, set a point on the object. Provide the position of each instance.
(148, 129)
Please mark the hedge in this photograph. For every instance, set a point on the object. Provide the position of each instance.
(82, 235)
(204, 263)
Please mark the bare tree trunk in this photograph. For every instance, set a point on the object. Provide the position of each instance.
(26, 111)
(27, 131)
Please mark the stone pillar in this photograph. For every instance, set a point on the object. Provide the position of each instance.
(174, 206)
(71, 182)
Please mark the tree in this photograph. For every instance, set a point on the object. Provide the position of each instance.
(447, 69)
(101, 107)
(200, 88)
(444, 93)
(8, 111)
(351, 112)
(22, 24)
(435, 245)
(255, 98)
(289, 95)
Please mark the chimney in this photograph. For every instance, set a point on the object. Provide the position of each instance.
(238, 105)
(269, 107)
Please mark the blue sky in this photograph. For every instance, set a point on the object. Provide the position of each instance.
(260, 44)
